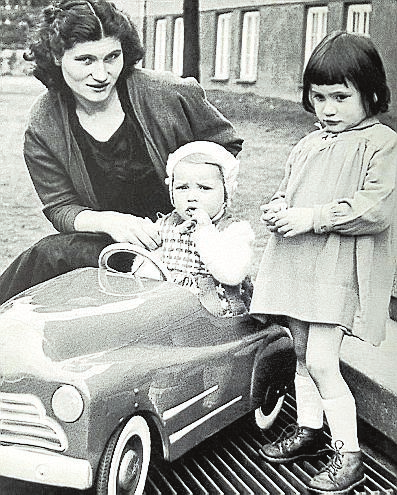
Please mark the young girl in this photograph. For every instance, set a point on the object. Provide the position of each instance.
(328, 267)
(201, 244)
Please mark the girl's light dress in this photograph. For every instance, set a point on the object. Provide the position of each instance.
(342, 272)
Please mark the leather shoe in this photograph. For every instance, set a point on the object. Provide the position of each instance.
(343, 472)
(302, 442)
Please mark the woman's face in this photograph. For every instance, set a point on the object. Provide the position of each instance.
(91, 69)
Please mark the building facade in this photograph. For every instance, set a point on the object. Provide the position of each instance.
(262, 46)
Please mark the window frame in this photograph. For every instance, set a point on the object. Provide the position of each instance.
(223, 46)
(249, 47)
(312, 39)
(160, 44)
(177, 46)
(363, 12)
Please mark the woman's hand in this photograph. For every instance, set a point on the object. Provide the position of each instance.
(292, 221)
(137, 230)
(122, 227)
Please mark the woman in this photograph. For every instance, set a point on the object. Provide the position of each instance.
(97, 141)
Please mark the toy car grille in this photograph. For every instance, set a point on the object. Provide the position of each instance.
(24, 421)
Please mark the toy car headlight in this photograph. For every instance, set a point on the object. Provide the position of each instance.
(67, 403)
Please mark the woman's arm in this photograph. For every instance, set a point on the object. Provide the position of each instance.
(66, 210)
(61, 203)
(228, 253)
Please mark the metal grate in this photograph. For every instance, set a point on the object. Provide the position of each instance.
(23, 421)
(228, 464)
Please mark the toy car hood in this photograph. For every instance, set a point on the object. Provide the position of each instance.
(78, 314)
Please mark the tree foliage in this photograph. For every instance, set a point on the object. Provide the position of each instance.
(17, 17)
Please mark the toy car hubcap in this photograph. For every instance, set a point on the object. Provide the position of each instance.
(130, 468)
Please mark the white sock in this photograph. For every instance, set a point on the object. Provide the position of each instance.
(309, 405)
(342, 421)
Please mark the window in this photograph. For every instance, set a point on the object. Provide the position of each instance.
(316, 28)
(177, 48)
(249, 47)
(222, 51)
(160, 44)
(358, 18)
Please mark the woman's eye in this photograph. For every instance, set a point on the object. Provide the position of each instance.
(112, 56)
(84, 60)
(180, 188)
(341, 97)
(205, 188)
(318, 97)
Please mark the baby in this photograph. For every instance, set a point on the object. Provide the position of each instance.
(202, 245)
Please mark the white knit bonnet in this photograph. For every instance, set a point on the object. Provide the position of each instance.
(212, 153)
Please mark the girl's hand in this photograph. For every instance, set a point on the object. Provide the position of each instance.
(293, 221)
(270, 210)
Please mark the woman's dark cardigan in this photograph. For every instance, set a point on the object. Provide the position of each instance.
(171, 111)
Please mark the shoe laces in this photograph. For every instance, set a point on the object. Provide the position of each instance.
(336, 461)
(287, 435)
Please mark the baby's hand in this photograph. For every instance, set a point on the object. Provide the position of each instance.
(198, 217)
(293, 221)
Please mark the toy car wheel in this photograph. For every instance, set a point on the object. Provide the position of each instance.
(125, 461)
(393, 308)
(273, 401)
(263, 419)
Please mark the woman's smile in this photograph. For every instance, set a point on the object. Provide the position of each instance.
(98, 87)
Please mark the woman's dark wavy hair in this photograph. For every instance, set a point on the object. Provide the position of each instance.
(343, 57)
(68, 22)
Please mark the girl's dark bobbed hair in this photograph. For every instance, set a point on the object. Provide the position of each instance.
(343, 57)
(68, 22)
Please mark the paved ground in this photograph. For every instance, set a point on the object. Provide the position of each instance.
(228, 464)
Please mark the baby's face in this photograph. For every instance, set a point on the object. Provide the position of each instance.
(197, 186)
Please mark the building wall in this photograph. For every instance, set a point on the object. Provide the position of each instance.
(280, 56)
(281, 39)
(384, 35)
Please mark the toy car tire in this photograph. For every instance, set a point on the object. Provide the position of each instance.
(125, 461)
(265, 421)
(393, 308)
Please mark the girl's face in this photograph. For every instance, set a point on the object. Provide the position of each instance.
(197, 186)
(338, 107)
(91, 69)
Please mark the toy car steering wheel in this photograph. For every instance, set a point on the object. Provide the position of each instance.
(126, 247)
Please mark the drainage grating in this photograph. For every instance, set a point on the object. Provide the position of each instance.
(228, 464)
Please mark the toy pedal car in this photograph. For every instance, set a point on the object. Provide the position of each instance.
(99, 368)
